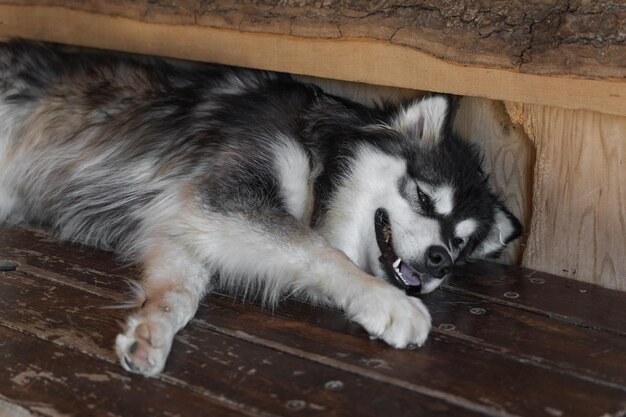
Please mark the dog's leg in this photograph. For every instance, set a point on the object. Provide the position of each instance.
(277, 252)
(284, 255)
(173, 284)
(383, 310)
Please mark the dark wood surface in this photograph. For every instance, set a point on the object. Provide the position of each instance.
(506, 342)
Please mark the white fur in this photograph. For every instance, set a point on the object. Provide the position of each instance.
(246, 254)
(465, 228)
(432, 111)
(234, 85)
(431, 285)
(349, 225)
(500, 231)
(442, 198)
(295, 178)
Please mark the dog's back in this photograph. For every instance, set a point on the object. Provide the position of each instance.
(94, 145)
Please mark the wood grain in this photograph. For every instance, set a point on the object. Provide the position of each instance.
(44, 379)
(578, 227)
(244, 375)
(561, 37)
(220, 366)
(175, 31)
(524, 350)
(586, 305)
(446, 364)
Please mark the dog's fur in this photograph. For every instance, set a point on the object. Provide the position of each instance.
(214, 176)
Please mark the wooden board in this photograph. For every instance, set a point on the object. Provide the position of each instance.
(575, 38)
(560, 298)
(485, 355)
(578, 226)
(42, 378)
(267, 36)
(229, 370)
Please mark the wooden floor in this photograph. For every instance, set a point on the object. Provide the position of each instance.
(506, 342)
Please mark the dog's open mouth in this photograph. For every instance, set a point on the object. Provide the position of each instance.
(405, 277)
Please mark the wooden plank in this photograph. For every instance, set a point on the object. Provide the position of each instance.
(351, 58)
(325, 337)
(597, 355)
(467, 370)
(578, 227)
(544, 37)
(253, 376)
(328, 339)
(43, 378)
(36, 252)
(576, 302)
(531, 338)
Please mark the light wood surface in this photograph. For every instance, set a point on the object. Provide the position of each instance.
(578, 226)
(580, 38)
(346, 58)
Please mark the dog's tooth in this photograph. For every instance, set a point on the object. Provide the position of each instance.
(397, 263)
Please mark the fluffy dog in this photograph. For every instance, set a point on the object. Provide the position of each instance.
(210, 176)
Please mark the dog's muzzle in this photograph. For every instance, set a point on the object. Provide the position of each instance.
(438, 262)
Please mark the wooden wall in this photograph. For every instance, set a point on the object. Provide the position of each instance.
(578, 222)
(563, 172)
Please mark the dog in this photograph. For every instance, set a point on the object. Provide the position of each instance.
(216, 177)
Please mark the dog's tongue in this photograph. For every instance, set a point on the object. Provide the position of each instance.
(410, 276)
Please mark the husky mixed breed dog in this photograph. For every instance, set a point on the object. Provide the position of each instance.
(210, 176)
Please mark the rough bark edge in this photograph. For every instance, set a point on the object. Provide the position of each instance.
(359, 60)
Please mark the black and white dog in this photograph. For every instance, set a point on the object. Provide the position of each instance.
(212, 176)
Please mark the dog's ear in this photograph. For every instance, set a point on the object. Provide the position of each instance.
(506, 228)
(425, 120)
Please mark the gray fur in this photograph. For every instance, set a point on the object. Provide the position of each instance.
(197, 169)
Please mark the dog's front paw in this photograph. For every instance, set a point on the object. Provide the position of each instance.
(144, 346)
(389, 314)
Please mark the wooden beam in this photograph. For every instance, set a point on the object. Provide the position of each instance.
(354, 59)
(578, 226)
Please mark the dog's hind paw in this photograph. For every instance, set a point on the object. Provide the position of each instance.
(144, 346)
(392, 316)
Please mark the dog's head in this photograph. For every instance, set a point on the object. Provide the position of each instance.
(437, 208)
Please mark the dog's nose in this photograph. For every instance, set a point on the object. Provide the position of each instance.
(438, 261)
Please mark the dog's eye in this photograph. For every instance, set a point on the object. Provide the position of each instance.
(423, 199)
(457, 241)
